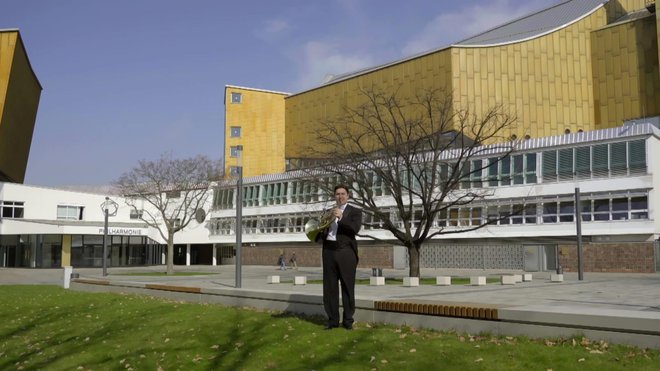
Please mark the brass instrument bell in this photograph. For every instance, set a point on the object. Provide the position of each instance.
(315, 226)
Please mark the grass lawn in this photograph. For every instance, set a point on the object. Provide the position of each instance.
(49, 328)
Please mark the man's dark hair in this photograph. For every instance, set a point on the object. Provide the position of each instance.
(343, 186)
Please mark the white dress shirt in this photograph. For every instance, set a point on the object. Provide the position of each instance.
(332, 233)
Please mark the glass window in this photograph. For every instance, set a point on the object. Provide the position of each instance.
(475, 175)
(492, 214)
(505, 171)
(453, 217)
(234, 151)
(235, 132)
(476, 216)
(583, 162)
(70, 212)
(639, 207)
(600, 158)
(602, 209)
(236, 98)
(136, 214)
(492, 172)
(637, 156)
(585, 210)
(549, 212)
(518, 169)
(530, 214)
(566, 211)
(517, 213)
(11, 209)
(234, 170)
(565, 164)
(530, 172)
(620, 208)
(618, 158)
(504, 214)
(549, 166)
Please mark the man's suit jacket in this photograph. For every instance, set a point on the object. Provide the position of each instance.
(347, 228)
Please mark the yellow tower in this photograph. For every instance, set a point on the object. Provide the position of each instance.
(19, 99)
(254, 121)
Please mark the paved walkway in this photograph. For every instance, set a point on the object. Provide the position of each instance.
(621, 308)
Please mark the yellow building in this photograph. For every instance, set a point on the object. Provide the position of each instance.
(19, 99)
(577, 65)
(254, 121)
(556, 70)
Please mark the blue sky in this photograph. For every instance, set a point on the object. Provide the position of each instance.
(126, 80)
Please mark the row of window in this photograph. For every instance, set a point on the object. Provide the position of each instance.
(545, 211)
(16, 210)
(290, 223)
(596, 161)
(593, 161)
(280, 193)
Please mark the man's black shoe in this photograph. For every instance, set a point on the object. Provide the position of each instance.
(330, 327)
(347, 326)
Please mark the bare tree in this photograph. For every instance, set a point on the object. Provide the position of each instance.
(172, 191)
(410, 161)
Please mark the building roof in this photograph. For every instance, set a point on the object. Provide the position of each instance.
(255, 89)
(528, 27)
(536, 24)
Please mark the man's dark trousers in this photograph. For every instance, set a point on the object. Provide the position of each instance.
(339, 264)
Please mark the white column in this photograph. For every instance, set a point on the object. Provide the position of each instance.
(215, 255)
(188, 255)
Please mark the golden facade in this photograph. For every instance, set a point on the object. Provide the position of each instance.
(20, 92)
(553, 83)
(254, 119)
(591, 69)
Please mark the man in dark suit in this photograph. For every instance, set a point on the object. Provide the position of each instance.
(340, 258)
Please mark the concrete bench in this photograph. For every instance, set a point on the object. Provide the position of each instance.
(554, 277)
(518, 278)
(377, 281)
(478, 281)
(443, 280)
(273, 279)
(527, 277)
(410, 281)
(300, 280)
(509, 280)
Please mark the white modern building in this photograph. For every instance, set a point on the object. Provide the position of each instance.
(617, 172)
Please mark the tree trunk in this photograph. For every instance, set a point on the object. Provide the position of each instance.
(413, 258)
(170, 254)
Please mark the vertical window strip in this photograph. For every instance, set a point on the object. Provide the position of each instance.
(618, 158)
(637, 156)
(549, 166)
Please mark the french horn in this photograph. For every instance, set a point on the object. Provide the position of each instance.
(315, 226)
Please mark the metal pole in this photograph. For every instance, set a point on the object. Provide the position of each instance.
(578, 225)
(239, 225)
(105, 238)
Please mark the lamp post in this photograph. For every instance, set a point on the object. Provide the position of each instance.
(239, 215)
(109, 208)
(578, 226)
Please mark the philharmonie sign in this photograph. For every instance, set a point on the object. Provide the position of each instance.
(123, 231)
